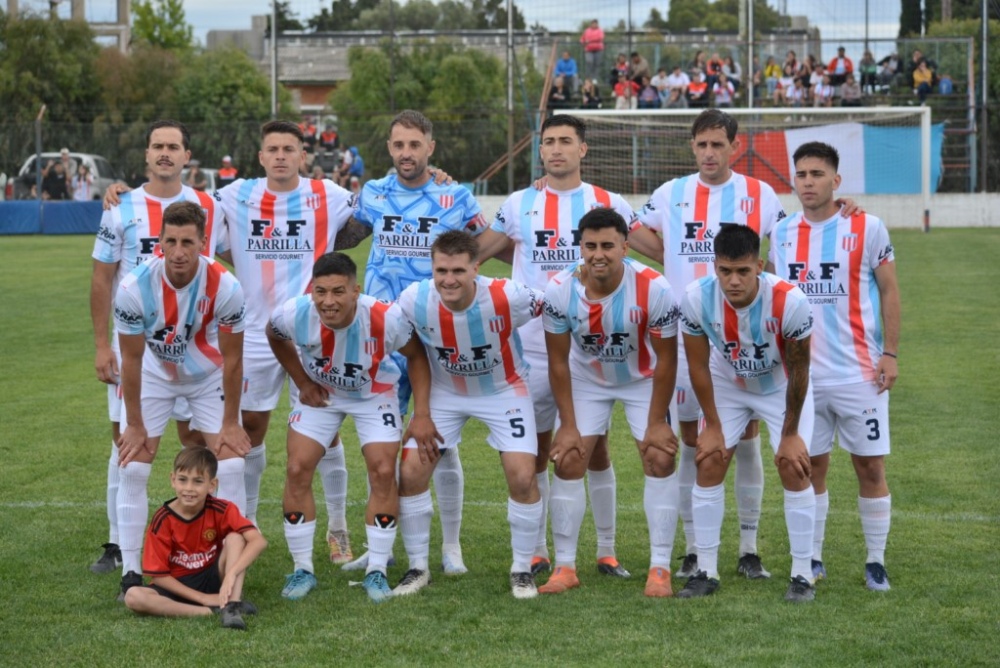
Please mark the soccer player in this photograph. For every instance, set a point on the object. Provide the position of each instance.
(611, 333)
(180, 320)
(541, 223)
(128, 235)
(336, 345)
(405, 212)
(468, 325)
(747, 342)
(198, 549)
(846, 267)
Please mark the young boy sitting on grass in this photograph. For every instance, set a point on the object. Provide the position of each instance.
(197, 549)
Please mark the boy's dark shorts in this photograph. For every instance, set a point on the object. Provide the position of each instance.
(206, 581)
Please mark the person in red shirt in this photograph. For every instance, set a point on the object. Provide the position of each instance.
(197, 550)
(227, 173)
(839, 68)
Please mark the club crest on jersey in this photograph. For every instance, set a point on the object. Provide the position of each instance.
(636, 315)
(498, 324)
(312, 202)
(209, 535)
(773, 325)
(371, 345)
(204, 304)
(849, 242)
(747, 205)
(446, 201)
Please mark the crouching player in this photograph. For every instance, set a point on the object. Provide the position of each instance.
(197, 549)
(467, 324)
(336, 345)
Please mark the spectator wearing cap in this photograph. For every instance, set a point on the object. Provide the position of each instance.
(195, 177)
(70, 166)
(227, 173)
(839, 68)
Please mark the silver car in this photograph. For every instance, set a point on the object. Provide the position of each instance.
(102, 171)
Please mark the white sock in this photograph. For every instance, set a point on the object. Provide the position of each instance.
(253, 471)
(449, 487)
(300, 543)
(875, 517)
(602, 486)
(687, 473)
(112, 495)
(232, 485)
(749, 487)
(800, 517)
(133, 512)
(708, 505)
(415, 513)
(819, 528)
(333, 474)
(567, 504)
(541, 542)
(523, 519)
(660, 499)
(380, 542)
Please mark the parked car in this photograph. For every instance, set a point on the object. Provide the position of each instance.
(211, 175)
(104, 174)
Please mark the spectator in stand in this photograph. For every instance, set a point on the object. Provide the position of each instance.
(639, 67)
(723, 92)
(195, 177)
(593, 49)
(621, 68)
(815, 79)
(806, 69)
(55, 181)
(756, 77)
(850, 93)
(923, 81)
(566, 68)
(83, 185)
(915, 60)
(590, 96)
(317, 173)
(309, 139)
(772, 74)
(626, 93)
(889, 67)
(697, 91)
(868, 70)
(713, 68)
(344, 171)
(840, 67)
(649, 97)
(697, 64)
(352, 166)
(227, 173)
(328, 139)
(677, 86)
(797, 95)
(69, 164)
(785, 83)
(822, 93)
(661, 84)
(791, 60)
(945, 85)
(733, 72)
(560, 96)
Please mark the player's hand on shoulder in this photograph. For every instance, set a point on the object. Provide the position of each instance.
(441, 177)
(539, 184)
(848, 207)
(112, 196)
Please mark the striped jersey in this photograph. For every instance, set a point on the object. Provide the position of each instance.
(833, 262)
(276, 237)
(181, 325)
(475, 352)
(612, 334)
(354, 362)
(543, 226)
(689, 213)
(405, 222)
(748, 344)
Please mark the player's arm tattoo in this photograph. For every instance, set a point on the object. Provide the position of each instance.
(797, 365)
(351, 235)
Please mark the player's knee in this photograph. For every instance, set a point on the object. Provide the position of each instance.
(870, 470)
(135, 599)
(298, 472)
(382, 473)
(790, 478)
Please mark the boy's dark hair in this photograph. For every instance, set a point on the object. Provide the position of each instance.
(281, 127)
(735, 242)
(715, 118)
(157, 125)
(559, 120)
(184, 213)
(409, 118)
(599, 219)
(335, 264)
(817, 149)
(456, 242)
(197, 458)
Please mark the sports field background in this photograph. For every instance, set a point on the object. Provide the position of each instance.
(943, 551)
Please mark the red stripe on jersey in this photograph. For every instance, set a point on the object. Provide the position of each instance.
(551, 218)
(802, 244)
(328, 343)
(267, 266)
(208, 203)
(322, 219)
(701, 197)
(378, 312)
(642, 281)
(213, 276)
(854, 298)
(778, 311)
(602, 197)
(155, 210)
(170, 320)
(501, 307)
(753, 192)
(731, 328)
(450, 340)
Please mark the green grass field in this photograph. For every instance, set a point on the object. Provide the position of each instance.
(943, 551)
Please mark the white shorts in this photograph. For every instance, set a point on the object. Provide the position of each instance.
(375, 418)
(263, 378)
(857, 415)
(688, 408)
(736, 407)
(204, 399)
(509, 417)
(181, 412)
(541, 393)
(593, 405)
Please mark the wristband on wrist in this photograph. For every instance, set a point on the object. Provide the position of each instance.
(892, 355)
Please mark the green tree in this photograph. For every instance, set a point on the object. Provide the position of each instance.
(718, 16)
(287, 19)
(910, 18)
(140, 86)
(161, 23)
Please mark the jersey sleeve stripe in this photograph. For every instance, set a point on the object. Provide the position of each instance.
(322, 218)
(781, 289)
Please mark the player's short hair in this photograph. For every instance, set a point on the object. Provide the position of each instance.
(412, 119)
(817, 149)
(715, 118)
(603, 217)
(735, 242)
(560, 120)
(184, 213)
(335, 263)
(197, 459)
(456, 242)
(166, 123)
(282, 127)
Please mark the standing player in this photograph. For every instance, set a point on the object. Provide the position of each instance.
(542, 225)
(405, 212)
(747, 342)
(336, 345)
(128, 235)
(180, 319)
(611, 333)
(847, 269)
(468, 325)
